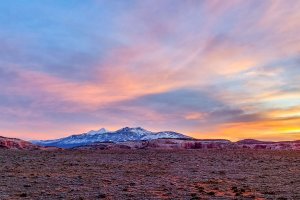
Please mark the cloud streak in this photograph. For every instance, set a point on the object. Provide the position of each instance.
(205, 68)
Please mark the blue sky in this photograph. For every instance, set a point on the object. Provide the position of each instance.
(208, 69)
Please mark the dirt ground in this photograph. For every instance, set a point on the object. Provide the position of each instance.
(150, 174)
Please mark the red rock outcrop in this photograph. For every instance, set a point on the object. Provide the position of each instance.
(13, 143)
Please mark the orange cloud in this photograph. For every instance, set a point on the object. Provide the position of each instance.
(284, 113)
(274, 130)
(195, 116)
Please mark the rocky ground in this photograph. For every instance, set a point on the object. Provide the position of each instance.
(149, 174)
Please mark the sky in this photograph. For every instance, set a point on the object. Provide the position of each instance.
(205, 68)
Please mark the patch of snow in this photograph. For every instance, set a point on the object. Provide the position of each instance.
(102, 130)
(102, 135)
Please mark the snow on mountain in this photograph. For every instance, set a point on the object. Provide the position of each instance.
(102, 130)
(102, 135)
(165, 134)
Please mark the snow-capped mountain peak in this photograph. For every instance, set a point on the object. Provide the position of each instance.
(102, 135)
(136, 130)
(100, 131)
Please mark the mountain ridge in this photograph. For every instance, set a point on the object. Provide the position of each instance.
(102, 135)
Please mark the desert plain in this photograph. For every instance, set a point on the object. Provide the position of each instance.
(150, 174)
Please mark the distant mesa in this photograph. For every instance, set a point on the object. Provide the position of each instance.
(256, 144)
(171, 143)
(252, 141)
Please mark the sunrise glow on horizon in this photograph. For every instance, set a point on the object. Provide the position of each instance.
(208, 69)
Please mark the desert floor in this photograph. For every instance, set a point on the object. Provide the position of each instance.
(150, 174)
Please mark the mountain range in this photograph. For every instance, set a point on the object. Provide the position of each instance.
(103, 135)
(139, 138)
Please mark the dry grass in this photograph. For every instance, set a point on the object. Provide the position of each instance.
(149, 174)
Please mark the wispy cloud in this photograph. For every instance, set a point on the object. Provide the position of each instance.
(206, 68)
